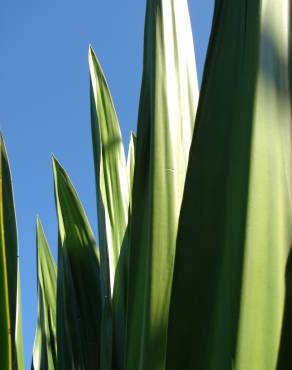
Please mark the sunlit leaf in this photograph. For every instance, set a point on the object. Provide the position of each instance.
(166, 118)
(110, 169)
(235, 229)
(11, 350)
(131, 162)
(112, 189)
(78, 281)
(45, 344)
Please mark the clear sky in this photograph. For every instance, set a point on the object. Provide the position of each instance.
(44, 104)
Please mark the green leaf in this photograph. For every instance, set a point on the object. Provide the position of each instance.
(131, 162)
(120, 294)
(78, 281)
(166, 118)
(235, 226)
(112, 188)
(11, 350)
(45, 344)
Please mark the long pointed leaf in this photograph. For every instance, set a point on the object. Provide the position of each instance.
(235, 228)
(45, 344)
(78, 281)
(112, 189)
(110, 169)
(166, 119)
(120, 294)
(11, 350)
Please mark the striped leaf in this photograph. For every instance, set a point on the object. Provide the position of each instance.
(110, 170)
(166, 118)
(112, 189)
(235, 229)
(45, 343)
(78, 281)
(11, 350)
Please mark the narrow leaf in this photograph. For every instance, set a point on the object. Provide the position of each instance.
(78, 281)
(131, 162)
(120, 294)
(11, 350)
(110, 169)
(166, 118)
(45, 344)
(112, 190)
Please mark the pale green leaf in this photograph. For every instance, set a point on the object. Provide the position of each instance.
(78, 282)
(165, 127)
(112, 185)
(131, 162)
(119, 302)
(112, 188)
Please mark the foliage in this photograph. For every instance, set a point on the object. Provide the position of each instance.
(195, 232)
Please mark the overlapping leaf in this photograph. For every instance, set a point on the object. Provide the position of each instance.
(235, 229)
(120, 294)
(11, 351)
(166, 119)
(45, 344)
(78, 282)
(112, 187)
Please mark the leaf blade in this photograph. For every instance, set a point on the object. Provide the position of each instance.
(45, 344)
(230, 263)
(131, 163)
(78, 281)
(11, 336)
(167, 111)
(112, 187)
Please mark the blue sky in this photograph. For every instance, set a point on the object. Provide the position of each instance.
(44, 109)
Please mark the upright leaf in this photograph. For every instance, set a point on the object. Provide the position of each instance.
(45, 343)
(131, 163)
(110, 170)
(166, 119)
(235, 228)
(112, 189)
(11, 350)
(120, 294)
(78, 281)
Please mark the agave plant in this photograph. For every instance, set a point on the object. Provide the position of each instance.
(192, 268)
